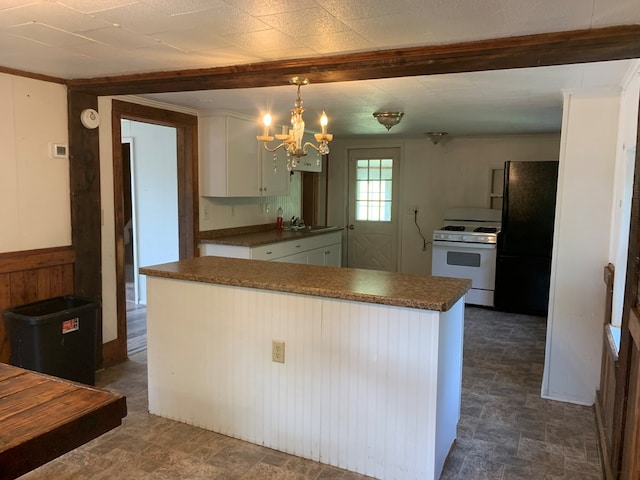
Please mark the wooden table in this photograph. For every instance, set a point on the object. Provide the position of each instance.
(43, 417)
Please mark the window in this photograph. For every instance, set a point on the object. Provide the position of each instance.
(373, 190)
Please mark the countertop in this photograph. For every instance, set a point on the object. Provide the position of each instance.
(371, 286)
(259, 235)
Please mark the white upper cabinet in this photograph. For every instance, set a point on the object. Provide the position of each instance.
(232, 162)
(275, 178)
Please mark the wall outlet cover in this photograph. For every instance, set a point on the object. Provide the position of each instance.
(277, 351)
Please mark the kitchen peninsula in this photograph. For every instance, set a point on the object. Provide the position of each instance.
(371, 378)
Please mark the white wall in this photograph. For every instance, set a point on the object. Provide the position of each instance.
(623, 186)
(34, 188)
(155, 195)
(581, 245)
(218, 213)
(454, 173)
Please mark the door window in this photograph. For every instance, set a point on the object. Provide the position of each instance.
(374, 180)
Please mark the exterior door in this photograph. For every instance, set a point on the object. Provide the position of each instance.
(373, 209)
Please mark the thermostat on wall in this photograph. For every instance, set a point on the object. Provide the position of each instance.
(58, 150)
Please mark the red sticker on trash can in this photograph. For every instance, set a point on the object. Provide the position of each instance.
(71, 325)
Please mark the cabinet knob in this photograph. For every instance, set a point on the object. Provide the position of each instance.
(268, 253)
(297, 246)
(327, 252)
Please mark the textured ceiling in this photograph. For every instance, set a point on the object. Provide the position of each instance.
(93, 38)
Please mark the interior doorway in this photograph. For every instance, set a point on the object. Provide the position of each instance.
(136, 313)
(185, 164)
(150, 204)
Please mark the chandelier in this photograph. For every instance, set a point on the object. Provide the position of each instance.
(291, 139)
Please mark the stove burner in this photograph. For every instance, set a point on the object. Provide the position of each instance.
(486, 230)
(454, 228)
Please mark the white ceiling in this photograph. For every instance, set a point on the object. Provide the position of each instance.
(94, 38)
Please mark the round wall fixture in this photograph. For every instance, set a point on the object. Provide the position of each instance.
(90, 118)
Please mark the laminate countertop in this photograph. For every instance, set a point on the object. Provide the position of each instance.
(260, 235)
(371, 286)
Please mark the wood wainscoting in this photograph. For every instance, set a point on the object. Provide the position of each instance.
(605, 396)
(33, 275)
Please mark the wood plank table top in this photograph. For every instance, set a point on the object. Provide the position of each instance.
(43, 417)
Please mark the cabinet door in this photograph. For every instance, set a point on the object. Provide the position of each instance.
(310, 163)
(243, 159)
(316, 256)
(275, 178)
(332, 255)
(229, 157)
(297, 258)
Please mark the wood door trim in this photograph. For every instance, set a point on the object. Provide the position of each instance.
(634, 327)
(186, 131)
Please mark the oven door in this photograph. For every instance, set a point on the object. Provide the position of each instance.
(476, 261)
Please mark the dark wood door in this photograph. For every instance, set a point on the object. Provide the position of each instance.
(631, 449)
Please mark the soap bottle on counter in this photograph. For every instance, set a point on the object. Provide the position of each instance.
(279, 219)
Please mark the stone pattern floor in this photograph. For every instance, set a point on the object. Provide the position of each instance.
(506, 430)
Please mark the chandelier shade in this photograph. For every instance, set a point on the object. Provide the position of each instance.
(388, 119)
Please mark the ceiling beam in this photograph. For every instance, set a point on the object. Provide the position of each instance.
(578, 46)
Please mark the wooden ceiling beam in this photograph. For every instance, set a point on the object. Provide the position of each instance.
(578, 46)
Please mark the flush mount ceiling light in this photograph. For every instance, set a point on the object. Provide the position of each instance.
(435, 137)
(388, 119)
(291, 139)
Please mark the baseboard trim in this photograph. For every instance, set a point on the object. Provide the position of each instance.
(112, 354)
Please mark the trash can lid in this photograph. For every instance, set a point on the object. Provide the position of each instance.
(51, 309)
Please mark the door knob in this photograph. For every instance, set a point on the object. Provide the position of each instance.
(352, 226)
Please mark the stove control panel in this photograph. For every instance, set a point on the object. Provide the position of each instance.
(464, 238)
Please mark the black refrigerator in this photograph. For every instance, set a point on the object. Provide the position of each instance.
(523, 266)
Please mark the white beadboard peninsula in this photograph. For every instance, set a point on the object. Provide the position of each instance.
(371, 379)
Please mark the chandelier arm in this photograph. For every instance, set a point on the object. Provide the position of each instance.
(275, 148)
(309, 144)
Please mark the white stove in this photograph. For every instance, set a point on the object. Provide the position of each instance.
(465, 247)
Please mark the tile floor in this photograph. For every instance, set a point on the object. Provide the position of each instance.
(506, 430)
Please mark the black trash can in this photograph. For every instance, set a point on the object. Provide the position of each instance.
(56, 336)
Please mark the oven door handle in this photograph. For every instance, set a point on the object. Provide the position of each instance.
(462, 245)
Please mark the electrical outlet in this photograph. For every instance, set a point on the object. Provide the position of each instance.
(277, 351)
(412, 210)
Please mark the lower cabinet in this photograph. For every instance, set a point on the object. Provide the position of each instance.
(321, 249)
(329, 255)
